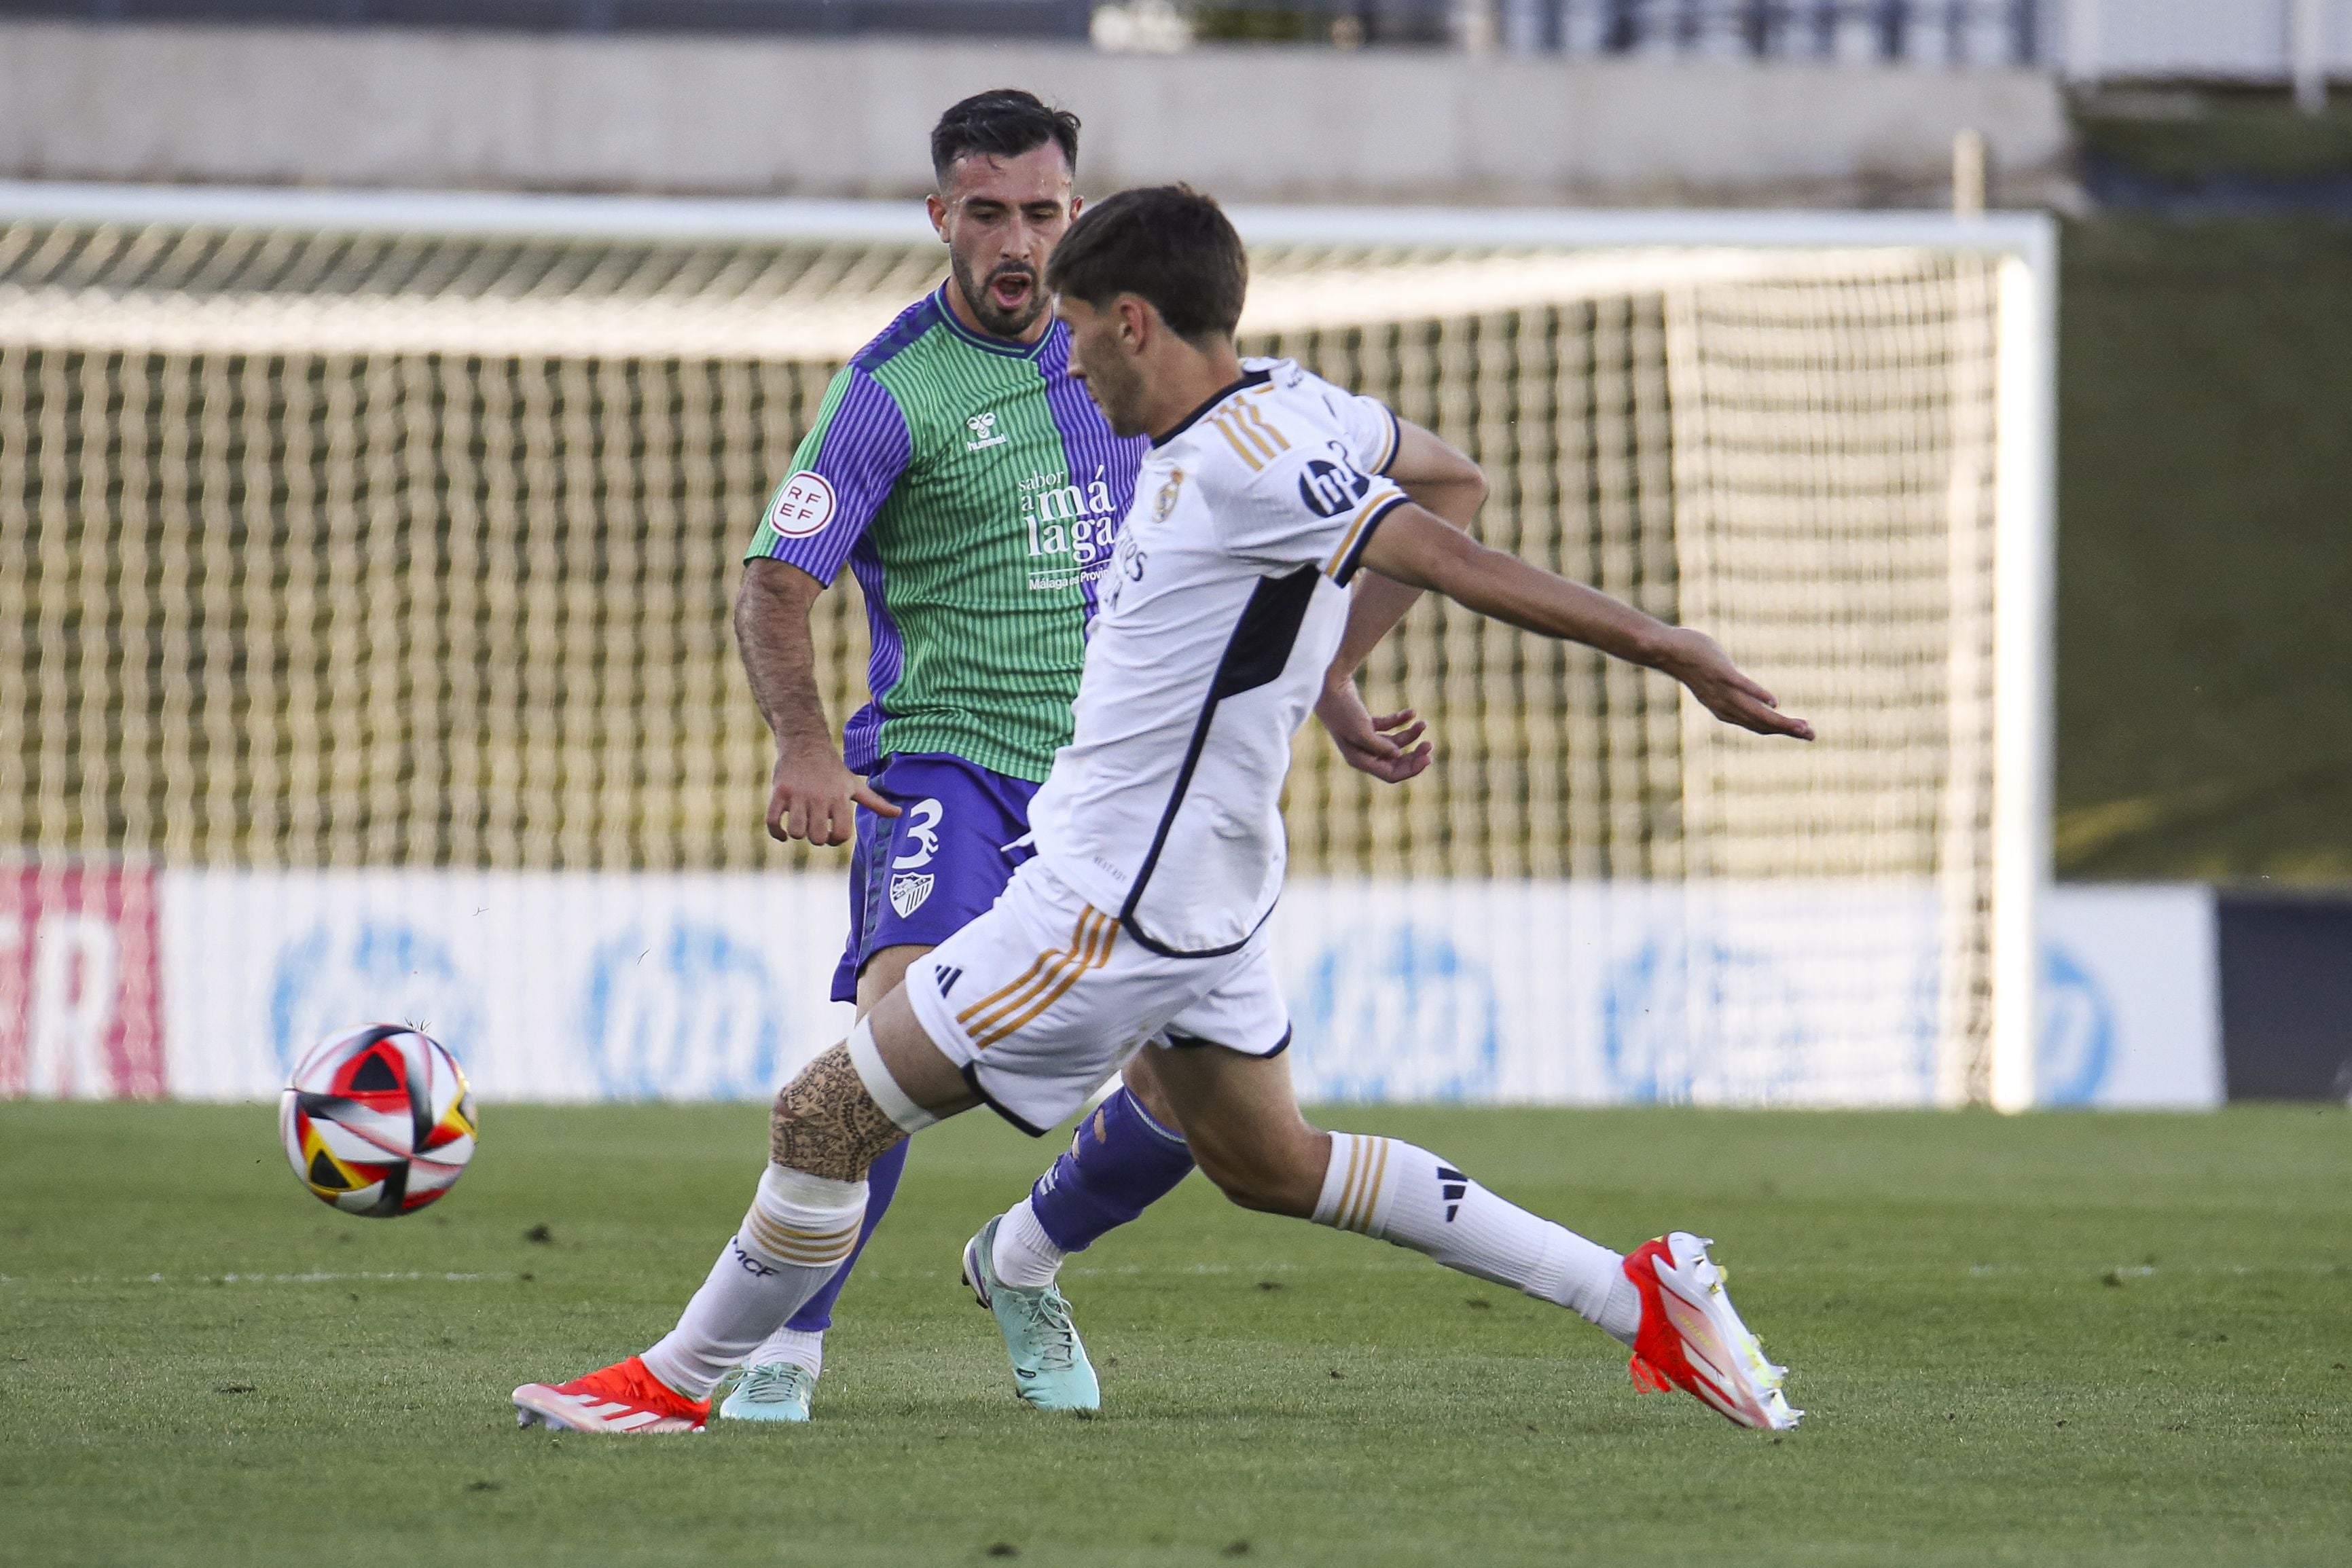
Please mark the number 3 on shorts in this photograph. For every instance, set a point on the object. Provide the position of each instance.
(920, 830)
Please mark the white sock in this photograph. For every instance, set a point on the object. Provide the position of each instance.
(1392, 1190)
(799, 1346)
(1025, 1256)
(798, 1230)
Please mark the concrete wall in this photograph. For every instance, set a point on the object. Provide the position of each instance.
(851, 117)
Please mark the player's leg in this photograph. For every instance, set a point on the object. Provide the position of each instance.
(851, 1106)
(1126, 1156)
(1015, 966)
(1666, 1302)
(1251, 1142)
(915, 880)
(780, 1376)
(1039, 1024)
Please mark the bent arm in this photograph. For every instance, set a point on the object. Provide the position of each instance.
(1416, 548)
(1442, 479)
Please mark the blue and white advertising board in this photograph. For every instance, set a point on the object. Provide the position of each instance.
(567, 986)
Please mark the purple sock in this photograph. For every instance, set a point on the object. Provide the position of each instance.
(816, 1315)
(1120, 1163)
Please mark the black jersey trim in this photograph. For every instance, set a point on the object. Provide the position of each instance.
(1249, 379)
(1348, 564)
(1194, 1042)
(971, 1082)
(1256, 656)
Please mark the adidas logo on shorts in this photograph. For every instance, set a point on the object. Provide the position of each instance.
(947, 978)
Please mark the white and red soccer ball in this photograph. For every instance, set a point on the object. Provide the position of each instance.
(378, 1120)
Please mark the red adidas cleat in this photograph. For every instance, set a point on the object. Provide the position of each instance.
(623, 1398)
(1691, 1337)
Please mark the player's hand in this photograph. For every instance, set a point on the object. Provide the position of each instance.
(1383, 746)
(812, 796)
(1694, 659)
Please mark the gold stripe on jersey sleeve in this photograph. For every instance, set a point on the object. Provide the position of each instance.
(1356, 526)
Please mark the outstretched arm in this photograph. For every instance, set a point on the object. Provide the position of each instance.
(1442, 479)
(1416, 548)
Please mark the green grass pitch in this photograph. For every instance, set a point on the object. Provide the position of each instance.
(2055, 1339)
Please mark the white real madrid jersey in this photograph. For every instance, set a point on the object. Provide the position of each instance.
(1222, 607)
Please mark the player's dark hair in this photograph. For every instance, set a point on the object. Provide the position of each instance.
(1003, 122)
(1169, 244)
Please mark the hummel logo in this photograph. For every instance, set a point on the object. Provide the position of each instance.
(983, 432)
(1451, 1185)
(947, 978)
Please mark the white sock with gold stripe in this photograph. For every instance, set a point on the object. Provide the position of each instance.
(1391, 1189)
(799, 1230)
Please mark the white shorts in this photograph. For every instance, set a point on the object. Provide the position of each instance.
(1044, 996)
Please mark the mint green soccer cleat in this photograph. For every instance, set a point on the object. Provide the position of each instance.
(777, 1392)
(1050, 1370)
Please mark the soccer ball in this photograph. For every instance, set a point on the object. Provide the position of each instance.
(378, 1121)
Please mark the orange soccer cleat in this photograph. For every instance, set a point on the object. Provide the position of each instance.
(623, 1398)
(1691, 1337)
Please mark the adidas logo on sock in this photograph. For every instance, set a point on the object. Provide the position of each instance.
(1451, 1185)
(947, 978)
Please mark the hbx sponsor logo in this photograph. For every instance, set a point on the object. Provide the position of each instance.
(1330, 488)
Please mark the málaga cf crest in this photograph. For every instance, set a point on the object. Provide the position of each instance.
(907, 893)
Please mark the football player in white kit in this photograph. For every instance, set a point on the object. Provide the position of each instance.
(1142, 922)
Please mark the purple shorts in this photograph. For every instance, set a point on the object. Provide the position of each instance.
(921, 876)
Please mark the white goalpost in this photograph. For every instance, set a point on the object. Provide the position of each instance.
(363, 642)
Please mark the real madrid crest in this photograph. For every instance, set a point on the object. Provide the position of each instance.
(1165, 502)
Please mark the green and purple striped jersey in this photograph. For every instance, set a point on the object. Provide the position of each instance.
(974, 489)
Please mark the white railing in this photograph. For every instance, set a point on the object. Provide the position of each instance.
(2276, 41)
(1928, 32)
(2302, 41)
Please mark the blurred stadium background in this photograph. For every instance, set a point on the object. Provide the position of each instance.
(369, 553)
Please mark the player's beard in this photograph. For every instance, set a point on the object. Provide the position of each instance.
(993, 321)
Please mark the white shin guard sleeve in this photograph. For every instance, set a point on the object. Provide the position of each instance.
(1392, 1190)
(800, 1229)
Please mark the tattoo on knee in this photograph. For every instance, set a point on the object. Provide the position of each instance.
(826, 1123)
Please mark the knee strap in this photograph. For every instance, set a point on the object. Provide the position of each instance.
(866, 1057)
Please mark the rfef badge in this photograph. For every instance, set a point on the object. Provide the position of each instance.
(803, 507)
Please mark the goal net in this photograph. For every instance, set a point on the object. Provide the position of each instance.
(364, 646)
